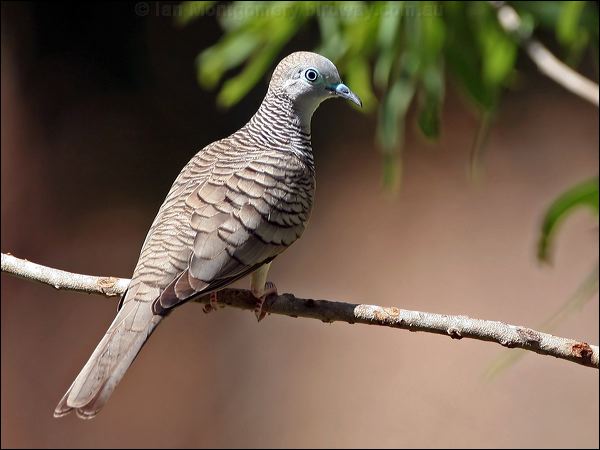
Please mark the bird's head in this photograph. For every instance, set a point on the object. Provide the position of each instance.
(308, 79)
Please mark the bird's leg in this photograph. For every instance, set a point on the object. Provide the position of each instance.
(212, 303)
(261, 289)
(268, 289)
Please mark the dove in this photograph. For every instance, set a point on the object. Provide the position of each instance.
(235, 206)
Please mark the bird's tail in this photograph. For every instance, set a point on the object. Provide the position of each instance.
(110, 360)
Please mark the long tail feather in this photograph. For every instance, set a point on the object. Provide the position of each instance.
(110, 360)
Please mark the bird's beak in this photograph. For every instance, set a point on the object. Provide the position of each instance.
(344, 91)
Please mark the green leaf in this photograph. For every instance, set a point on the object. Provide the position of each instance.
(350, 12)
(392, 172)
(479, 143)
(333, 44)
(358, 77)
(191, 10)
(497, 48)
(390, 15)
(412, 51)
(545, 13)
(230, 52)
(583, 194)
(499, 56)
(432, 74)
(433, 34)
(240, 15)
(359, 26)
(466, 71)
(394, 106)
(567, 26)
(431, 105)
(571, 32)
(391, 124)
(235, 88)
(387, 41)
(383, 67)
(463, 55)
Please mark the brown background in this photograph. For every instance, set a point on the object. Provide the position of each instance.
(100, 110)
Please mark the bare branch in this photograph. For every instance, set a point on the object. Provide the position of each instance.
(546, 62)
(456, 327)
(109, 286)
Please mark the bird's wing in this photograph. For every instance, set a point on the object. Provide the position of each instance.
(242, 219)
(239, 213)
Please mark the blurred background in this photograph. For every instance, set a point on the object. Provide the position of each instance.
(435, 198)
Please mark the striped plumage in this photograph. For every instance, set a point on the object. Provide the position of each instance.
(233, 208)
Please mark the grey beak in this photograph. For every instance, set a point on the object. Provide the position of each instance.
(344, 91)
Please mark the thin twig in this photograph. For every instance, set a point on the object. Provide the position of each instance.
(456, 327)
(109, 286)
(546, 62)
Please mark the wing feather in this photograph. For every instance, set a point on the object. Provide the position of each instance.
(235, 213)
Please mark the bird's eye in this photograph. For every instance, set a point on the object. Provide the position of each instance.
(311, 75)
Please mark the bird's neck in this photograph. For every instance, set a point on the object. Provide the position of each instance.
(280, 125)
(279, 107)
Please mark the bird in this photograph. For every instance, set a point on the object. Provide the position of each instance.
(233, 208)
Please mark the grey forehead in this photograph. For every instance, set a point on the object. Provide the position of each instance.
(325, 67)
(293, 65)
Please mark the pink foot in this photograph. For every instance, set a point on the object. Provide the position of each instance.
(270, 289)
(212, 304)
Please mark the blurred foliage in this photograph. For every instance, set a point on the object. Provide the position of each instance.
(393, 54)
(398, 54)
(581, 195)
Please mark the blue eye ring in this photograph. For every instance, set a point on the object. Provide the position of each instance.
(311, 75)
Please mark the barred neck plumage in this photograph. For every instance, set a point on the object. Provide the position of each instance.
(277, 125)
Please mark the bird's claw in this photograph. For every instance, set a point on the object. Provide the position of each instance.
(212, 303)
(270, 289)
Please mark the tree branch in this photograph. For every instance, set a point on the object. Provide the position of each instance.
(109, 286)
(456, 327)
(546, 62)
